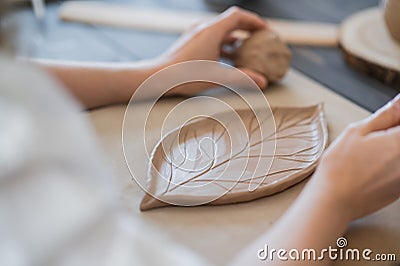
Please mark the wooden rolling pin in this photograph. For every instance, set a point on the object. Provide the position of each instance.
(100, 13)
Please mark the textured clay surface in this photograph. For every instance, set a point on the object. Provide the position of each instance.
(206, 162)
(265, 53)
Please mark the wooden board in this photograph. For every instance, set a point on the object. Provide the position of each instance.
(368, 46)
(161, 20)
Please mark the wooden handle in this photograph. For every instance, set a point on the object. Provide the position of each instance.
(294, 32)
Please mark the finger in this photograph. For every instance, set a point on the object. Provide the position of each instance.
(385, 118)
(236, 35)
(229, 39)
(241, 34)
(258, 78)
(394, 134)
(235, 18)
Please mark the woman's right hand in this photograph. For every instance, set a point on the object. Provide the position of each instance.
(358, 175)
(360, 171)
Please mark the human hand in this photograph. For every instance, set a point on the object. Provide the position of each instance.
(208, 40)
(360, 171)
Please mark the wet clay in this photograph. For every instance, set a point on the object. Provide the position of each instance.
(265, 53)
(235, 157)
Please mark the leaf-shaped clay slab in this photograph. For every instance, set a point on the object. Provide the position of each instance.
(235, 157)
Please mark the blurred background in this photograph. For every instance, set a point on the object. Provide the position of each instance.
(49, 37)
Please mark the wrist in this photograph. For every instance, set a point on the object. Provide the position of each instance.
(329, 197)
(128, 78)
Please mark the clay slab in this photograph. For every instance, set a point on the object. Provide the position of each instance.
(235, 157)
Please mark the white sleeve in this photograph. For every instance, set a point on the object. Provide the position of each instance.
(57, 195)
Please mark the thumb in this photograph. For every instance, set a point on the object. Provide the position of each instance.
(258, 78)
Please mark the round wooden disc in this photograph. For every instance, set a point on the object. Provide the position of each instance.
(368, 46)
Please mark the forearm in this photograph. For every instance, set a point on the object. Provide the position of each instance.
(102, 84)
(312, 222)
(99, 84)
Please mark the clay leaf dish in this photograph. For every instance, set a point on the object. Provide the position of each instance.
(235, 157)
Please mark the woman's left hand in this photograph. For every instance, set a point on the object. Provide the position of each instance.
(208, 40)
